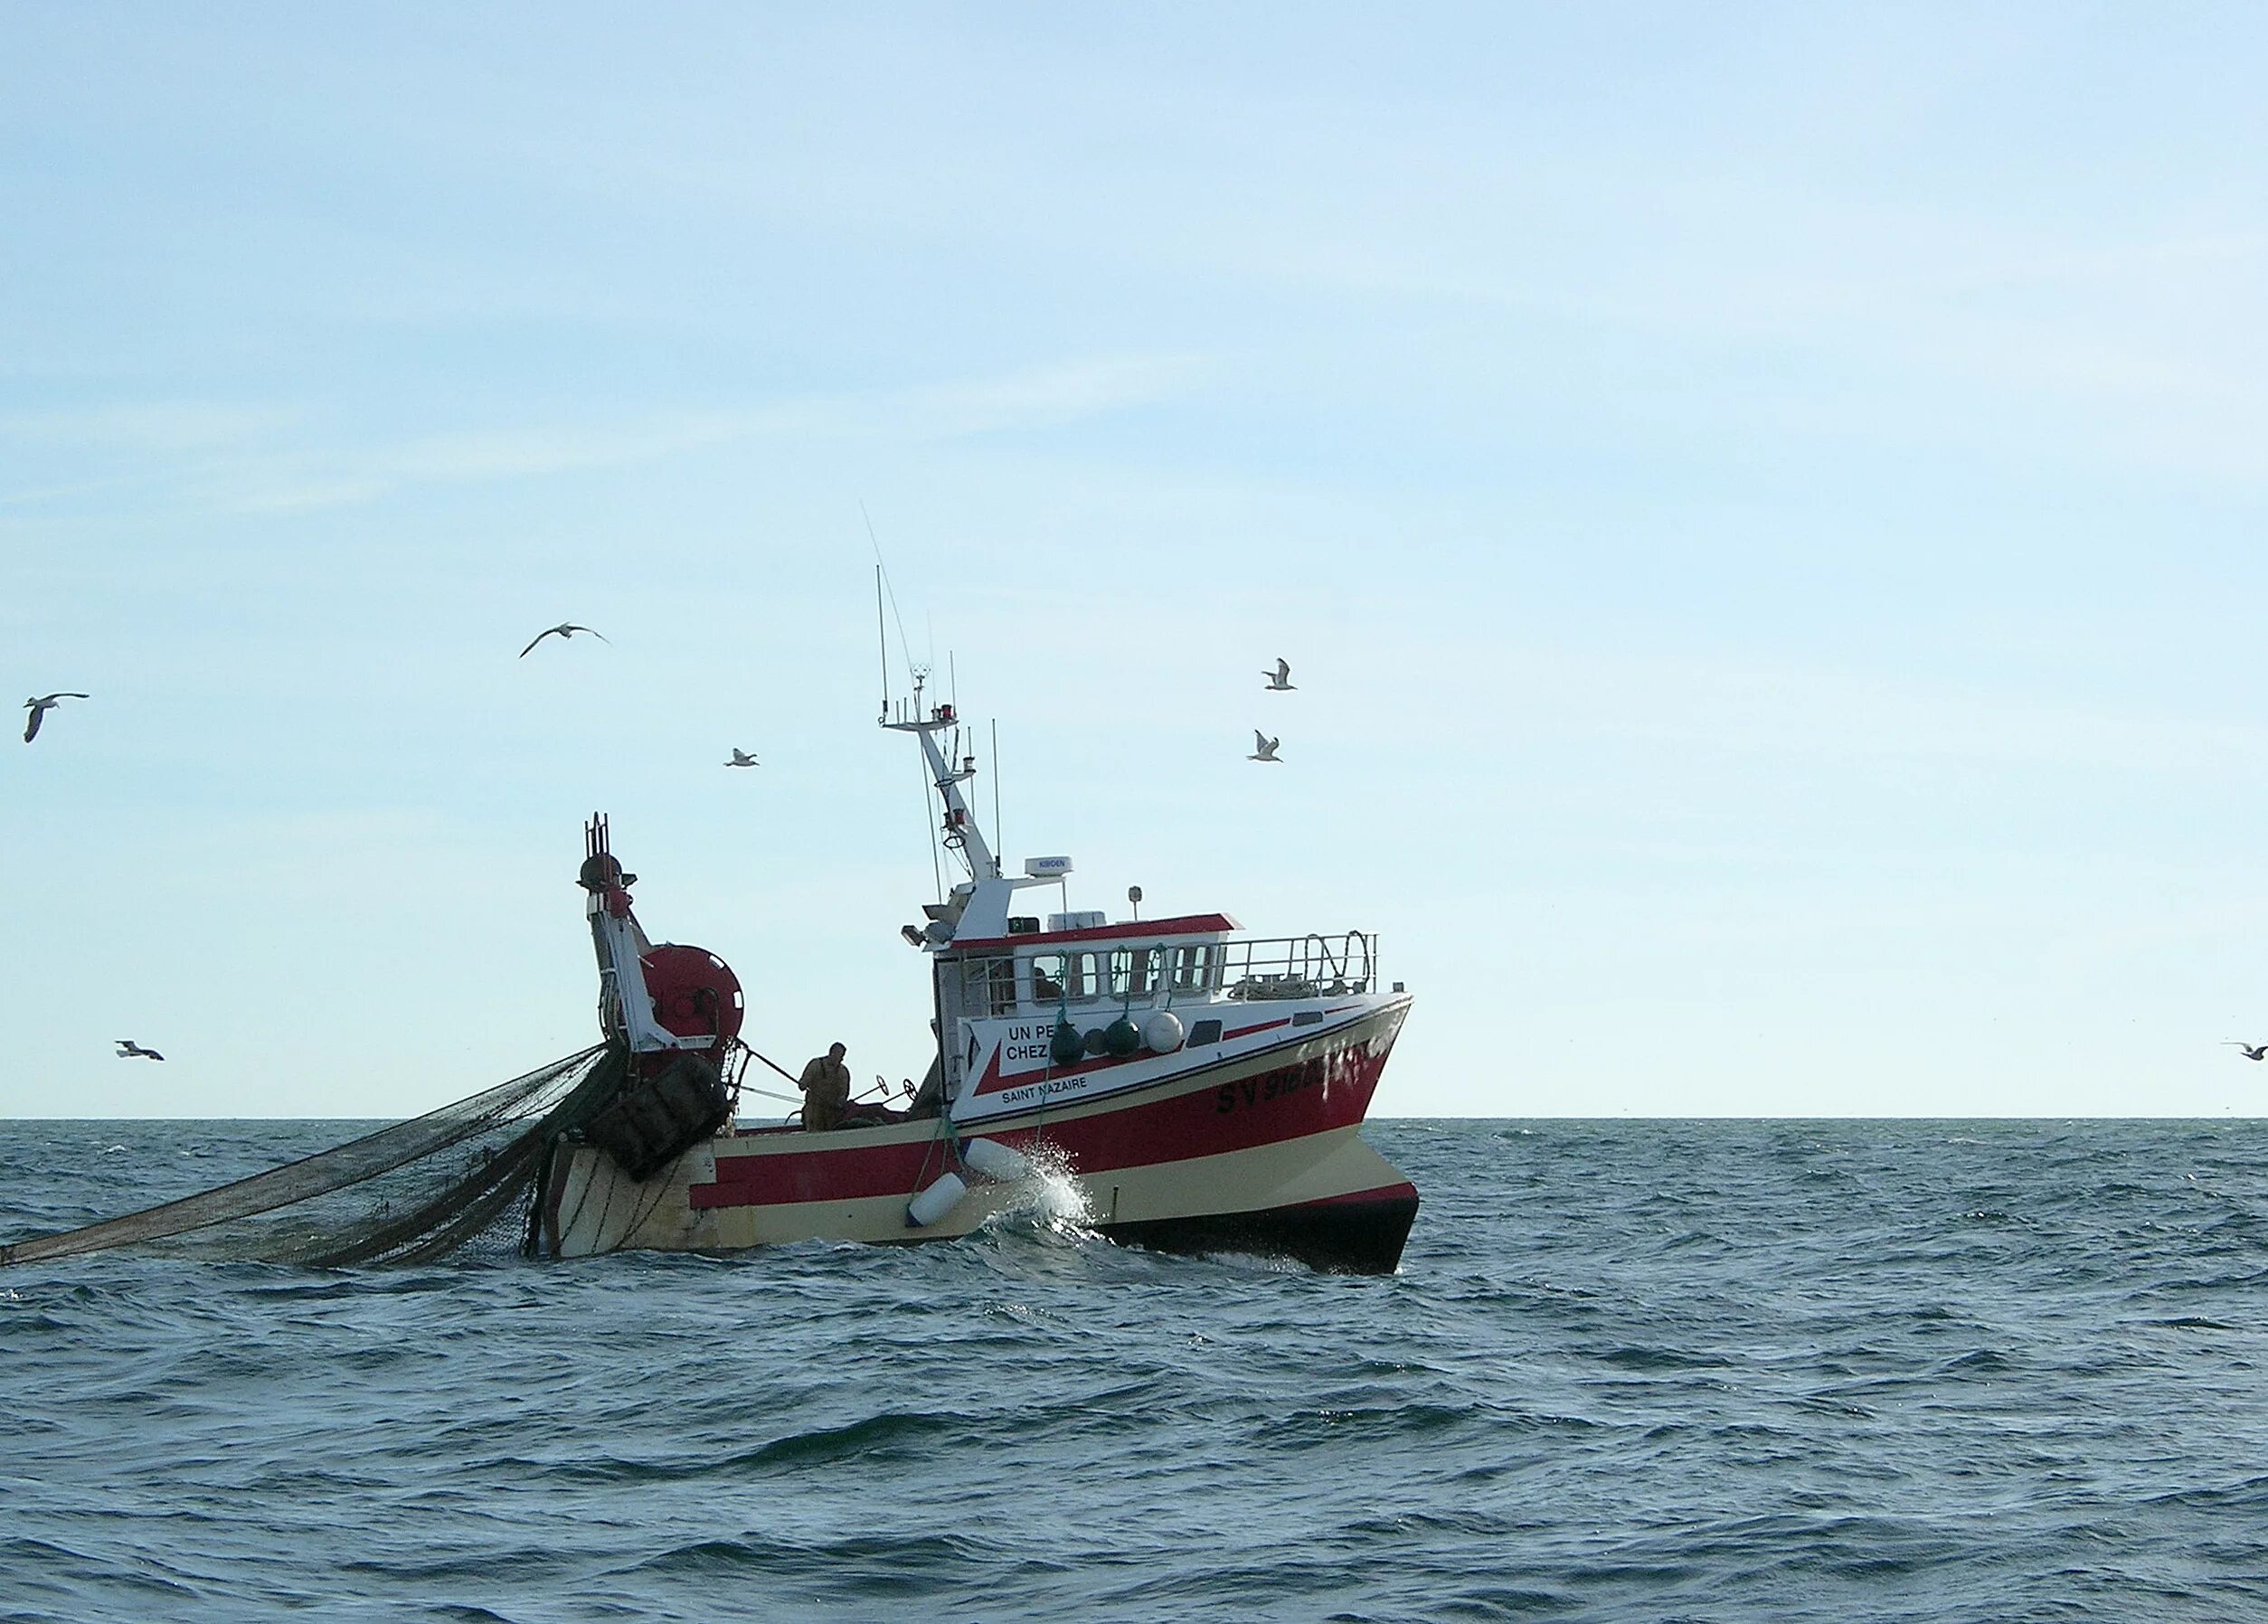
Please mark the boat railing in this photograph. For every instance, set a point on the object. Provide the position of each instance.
(1314, 966)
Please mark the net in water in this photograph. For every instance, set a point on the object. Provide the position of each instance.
(465, 1176)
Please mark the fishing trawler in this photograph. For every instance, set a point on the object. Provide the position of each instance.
(1198, 1091)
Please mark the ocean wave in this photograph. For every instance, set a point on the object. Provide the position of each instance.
(1629, 1370)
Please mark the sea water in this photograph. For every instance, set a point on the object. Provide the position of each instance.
(1629, 1370)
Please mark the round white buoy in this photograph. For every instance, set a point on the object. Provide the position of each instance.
(935, 1202)
(994, 1160)
(1162, 1033)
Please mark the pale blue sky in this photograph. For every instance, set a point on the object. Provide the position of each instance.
(1765, 505)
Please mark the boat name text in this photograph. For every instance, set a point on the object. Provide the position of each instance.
(1259, 1090)
(1042, 1090)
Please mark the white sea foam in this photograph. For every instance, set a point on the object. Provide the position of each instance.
(1047, 1199)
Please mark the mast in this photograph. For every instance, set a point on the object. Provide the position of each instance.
(960, 834)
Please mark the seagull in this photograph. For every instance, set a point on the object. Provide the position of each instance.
(130, 1050)
(40, 707)
(741, 757)
(1263, 747)
(565, 628)
(1280, 679)
(2252, 1051)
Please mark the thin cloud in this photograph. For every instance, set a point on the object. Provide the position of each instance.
(1034, 399)
(150, 425)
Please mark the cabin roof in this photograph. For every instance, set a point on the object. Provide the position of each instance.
(1133, 930)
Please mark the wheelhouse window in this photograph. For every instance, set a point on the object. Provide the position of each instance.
(1193, 968)
(1134, 973)
(1123, 975)
(1068, 977)
(987, 986)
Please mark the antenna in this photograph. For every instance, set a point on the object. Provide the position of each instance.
(882, 573)
(881, 637)
(999, 844)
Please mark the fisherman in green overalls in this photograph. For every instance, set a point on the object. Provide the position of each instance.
(826, 1084)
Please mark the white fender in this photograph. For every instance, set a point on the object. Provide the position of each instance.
(1162, 1033)
(994, 1160)
(935, 1202)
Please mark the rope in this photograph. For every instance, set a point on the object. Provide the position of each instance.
(774, 1064)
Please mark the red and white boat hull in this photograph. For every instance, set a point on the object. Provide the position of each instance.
(1256, 1151)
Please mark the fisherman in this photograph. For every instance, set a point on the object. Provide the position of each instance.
(826, 1084)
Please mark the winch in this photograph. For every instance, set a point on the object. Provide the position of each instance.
(677, 1010)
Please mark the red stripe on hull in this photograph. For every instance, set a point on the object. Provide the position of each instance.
(844, 1175)
(1310, 1096)
(1291, 1101)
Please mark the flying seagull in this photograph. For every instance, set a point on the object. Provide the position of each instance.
(40, 708)
(565, 628)
(1280, 679)
(741, 757)
(130, 1050)
(2252, 1051)
(1263, 747)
